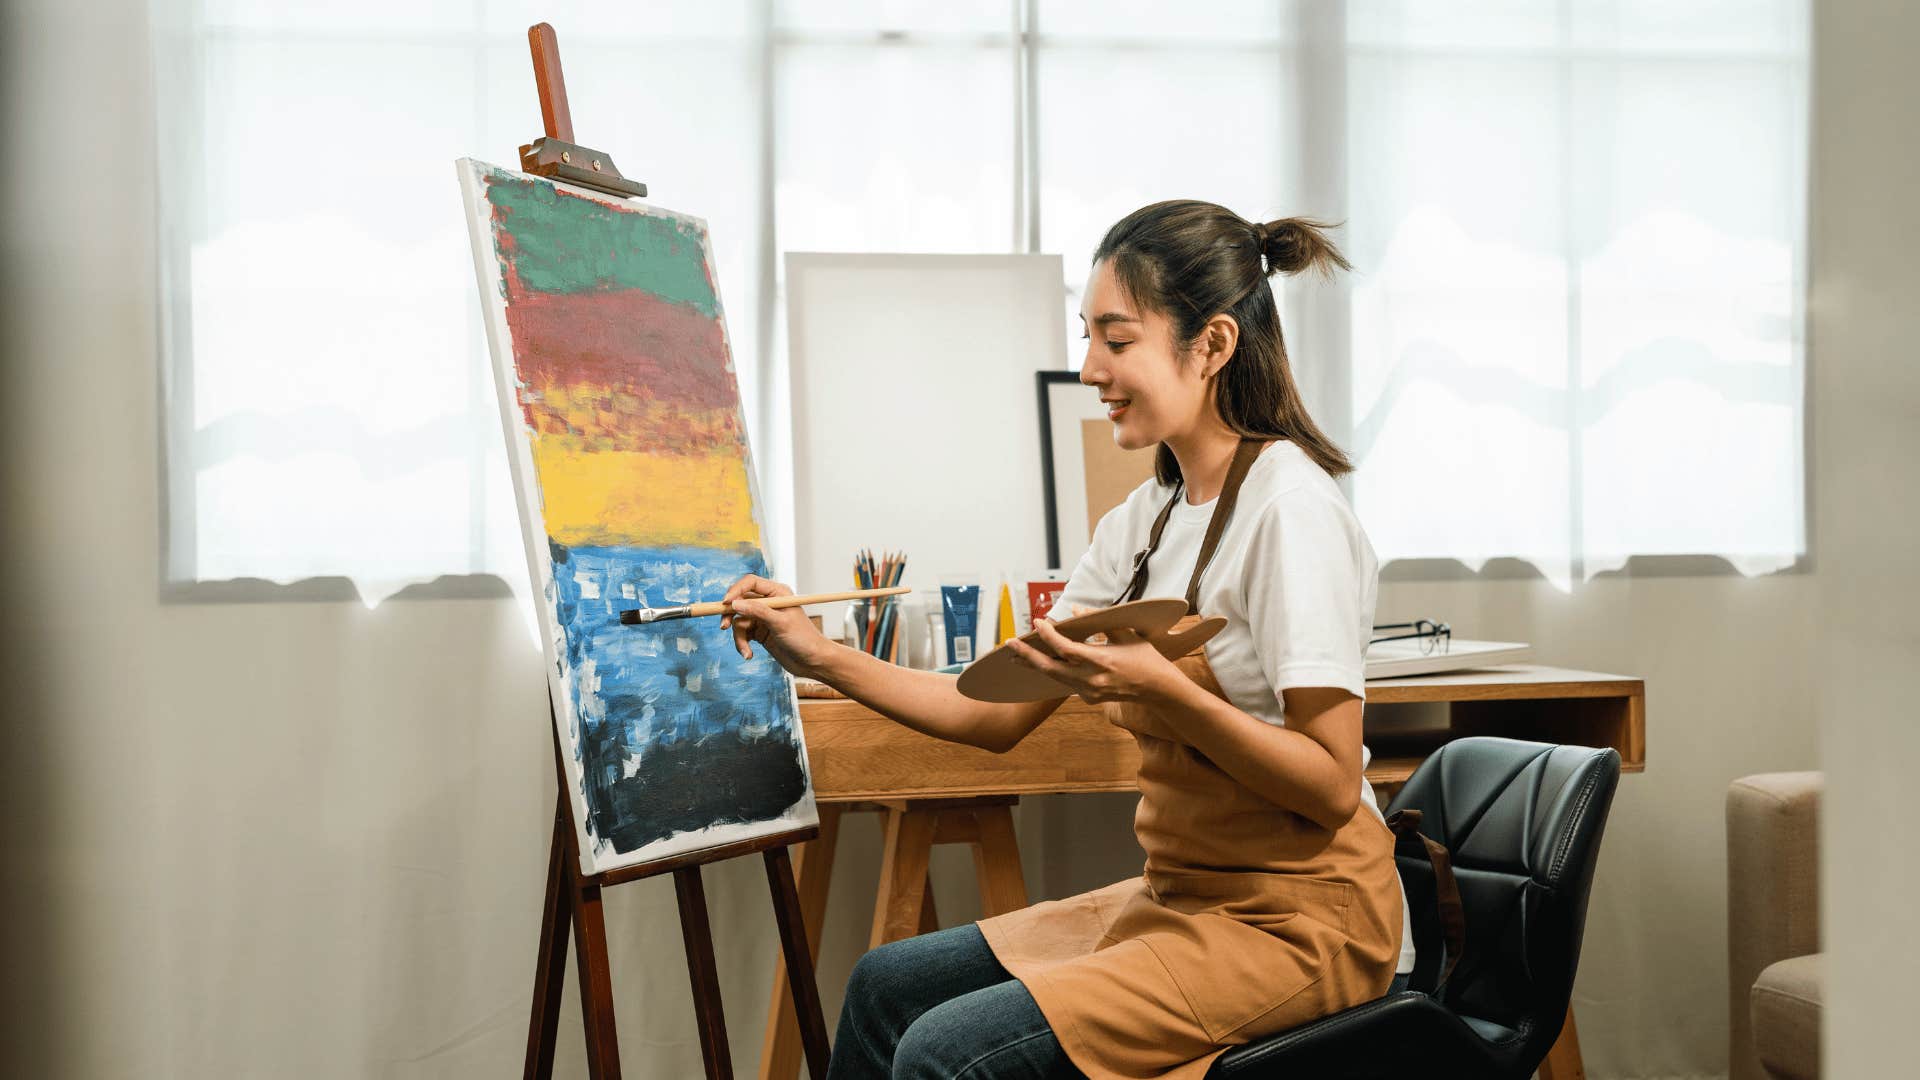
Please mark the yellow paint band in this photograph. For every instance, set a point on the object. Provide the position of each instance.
(632, 497)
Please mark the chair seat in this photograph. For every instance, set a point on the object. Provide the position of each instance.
(1397, 1036)
(1786, 1003)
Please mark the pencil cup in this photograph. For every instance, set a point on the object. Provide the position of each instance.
(873, 625)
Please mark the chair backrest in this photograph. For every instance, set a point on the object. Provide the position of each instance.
(1522, 821)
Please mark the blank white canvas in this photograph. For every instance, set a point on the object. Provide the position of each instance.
(915, 416)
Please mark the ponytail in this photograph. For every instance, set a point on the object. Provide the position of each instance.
(1291, 245)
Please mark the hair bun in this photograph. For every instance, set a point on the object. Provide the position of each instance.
(1291, 245)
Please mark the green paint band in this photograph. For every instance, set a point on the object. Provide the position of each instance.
(560, 243)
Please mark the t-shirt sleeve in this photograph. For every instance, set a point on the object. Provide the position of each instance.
(1097, 579)
(1305, 600)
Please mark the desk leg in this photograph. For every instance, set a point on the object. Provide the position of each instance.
(929, 916)
(996, 861)
(813, 873)
(1563, 1061)
(903, 875)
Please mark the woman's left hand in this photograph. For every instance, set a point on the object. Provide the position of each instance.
(1126, 668)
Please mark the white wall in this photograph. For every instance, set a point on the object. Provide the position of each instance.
(306, 839)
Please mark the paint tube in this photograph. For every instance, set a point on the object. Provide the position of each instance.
(1040, 598)
(960, 610)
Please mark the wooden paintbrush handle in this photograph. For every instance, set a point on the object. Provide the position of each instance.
(716, 607)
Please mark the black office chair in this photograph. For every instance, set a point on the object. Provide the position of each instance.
(1522, 821)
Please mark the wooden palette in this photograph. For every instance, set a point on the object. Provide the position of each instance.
(999, 676)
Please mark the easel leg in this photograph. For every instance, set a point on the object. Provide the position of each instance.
(813, 869)
(903, 874)
(799, 961)
(702, 973)
(544, 1025)
(596, 980)
(1563, 1061)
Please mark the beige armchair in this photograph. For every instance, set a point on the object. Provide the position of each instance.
(1773, 926)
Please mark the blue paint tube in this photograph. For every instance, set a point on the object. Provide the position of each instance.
(960, 605)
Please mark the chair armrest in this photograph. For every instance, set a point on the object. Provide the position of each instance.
(1773, 889)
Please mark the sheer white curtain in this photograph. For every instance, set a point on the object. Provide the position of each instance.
(1577, 326)
(1573, 334)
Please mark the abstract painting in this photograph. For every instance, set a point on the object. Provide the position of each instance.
(636, 489)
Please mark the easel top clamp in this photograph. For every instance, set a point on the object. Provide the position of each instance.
(555, 155)
(574, 897)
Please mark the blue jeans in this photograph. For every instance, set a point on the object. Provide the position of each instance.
(940, 1005)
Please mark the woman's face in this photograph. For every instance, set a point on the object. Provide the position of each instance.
(1154, 389)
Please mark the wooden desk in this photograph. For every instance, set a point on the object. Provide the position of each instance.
(939, 792)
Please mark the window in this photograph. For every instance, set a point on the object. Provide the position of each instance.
(1573, 334)
(1577, 336)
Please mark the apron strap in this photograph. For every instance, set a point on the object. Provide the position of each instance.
(1216, 527)
(1453, 914)
(1138, 584)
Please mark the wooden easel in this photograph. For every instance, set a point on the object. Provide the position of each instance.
(574, 897)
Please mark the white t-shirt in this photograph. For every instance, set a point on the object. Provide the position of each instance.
(1294, 576)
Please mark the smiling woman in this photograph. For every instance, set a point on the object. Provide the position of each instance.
(1269, 896)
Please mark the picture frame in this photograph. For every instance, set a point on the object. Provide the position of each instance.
(1082, 473)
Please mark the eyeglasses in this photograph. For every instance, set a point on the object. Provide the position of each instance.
(1434, 637)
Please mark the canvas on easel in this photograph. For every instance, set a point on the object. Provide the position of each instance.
(636, 488)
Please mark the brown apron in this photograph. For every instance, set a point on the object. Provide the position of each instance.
(1247, 920)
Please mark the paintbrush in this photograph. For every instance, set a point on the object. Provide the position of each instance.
(638, 616)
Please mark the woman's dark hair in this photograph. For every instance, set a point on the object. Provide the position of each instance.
(1192, 260)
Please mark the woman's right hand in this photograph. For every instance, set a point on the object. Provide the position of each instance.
(786, 633)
